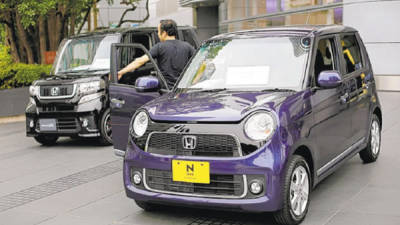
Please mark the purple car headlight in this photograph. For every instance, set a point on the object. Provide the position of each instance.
(140, 123)
(260, 126)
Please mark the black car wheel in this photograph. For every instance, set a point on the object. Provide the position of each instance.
(371, 152)
(105, 128)
(46, 140)
(296, 190)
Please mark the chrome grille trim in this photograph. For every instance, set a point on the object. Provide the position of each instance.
(75, 86)
(245, 190)
(239, 148)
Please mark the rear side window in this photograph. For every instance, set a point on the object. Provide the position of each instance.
(351, 53)
(188, 37)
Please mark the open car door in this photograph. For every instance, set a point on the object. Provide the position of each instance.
(125, 97)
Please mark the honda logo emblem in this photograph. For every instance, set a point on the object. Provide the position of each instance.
(55, 91)
(189, 142)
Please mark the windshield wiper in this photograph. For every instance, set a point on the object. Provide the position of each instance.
(213, 90)
(61, 76)
(278, 90)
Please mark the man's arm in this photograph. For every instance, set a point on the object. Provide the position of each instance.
(138, 62)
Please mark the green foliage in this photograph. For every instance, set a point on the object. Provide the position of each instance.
(18, 74)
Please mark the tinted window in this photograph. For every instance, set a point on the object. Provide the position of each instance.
(188, 37)
(324, 56)
(351, 53)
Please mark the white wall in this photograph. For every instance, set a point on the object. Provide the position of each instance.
(169, 9)
(379, 26)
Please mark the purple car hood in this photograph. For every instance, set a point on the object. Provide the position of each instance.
(211, 107)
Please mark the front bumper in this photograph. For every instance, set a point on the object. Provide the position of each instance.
(71, 119)
(262, 163)
(71, 124)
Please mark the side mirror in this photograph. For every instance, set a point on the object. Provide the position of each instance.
(329, 79)
(147, 84)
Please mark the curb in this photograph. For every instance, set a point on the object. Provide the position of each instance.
(12, 119)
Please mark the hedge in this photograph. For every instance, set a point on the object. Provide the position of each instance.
(14, 75)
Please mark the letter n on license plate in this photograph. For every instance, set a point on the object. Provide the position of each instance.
(191, 171)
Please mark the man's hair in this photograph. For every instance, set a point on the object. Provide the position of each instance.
(169, 26)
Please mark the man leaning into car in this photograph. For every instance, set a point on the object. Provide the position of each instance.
(171, 54)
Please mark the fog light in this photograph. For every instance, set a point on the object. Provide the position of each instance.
(31, 124)
(137, 178)
(85, 122)
(256, 187)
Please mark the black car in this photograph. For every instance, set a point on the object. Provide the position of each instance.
(74, 100)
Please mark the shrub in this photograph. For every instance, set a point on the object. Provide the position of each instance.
(14, 75)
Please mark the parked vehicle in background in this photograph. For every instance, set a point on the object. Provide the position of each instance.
(74, 100)
(257, 119)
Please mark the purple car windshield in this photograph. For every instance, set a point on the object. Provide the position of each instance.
(247, 64)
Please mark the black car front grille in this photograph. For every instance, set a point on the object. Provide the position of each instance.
(206, 145)
(67, 124)
(57, 108)
(64, 90)
(64, 125)
(221, 185)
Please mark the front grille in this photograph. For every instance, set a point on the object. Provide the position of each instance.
(63, 124)
(67, 124)
(57, 91)
(221, 185)
(206, 145)
(57, 108)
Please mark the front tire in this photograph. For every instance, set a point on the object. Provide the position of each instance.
(105, 128)
(371, 152)
(46, 140)
(296, 190)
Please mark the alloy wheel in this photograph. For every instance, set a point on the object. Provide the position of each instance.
(107, 126)
(299, 190)
(375, 137)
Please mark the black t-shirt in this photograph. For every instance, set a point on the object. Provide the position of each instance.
(172, 56)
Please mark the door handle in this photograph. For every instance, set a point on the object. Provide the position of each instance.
(344, 98)
(117, 103)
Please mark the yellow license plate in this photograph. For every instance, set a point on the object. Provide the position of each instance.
(191, 171)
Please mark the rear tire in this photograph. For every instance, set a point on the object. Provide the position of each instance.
(46, 140)
(371, 152)
(296, 191)
(105, 128)
(148, 207)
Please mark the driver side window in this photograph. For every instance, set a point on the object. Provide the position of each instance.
(129, 54)
(325, 57)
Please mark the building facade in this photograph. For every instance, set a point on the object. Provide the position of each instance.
(378, 22)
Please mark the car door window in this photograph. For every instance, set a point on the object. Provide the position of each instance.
(128, 55)
(325, 56)
(351, 53)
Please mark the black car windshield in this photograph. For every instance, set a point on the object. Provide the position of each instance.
(84, 54)
(247, 64)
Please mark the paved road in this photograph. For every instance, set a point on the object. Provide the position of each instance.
(79, 183)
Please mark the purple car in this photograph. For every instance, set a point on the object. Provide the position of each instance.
(257, 119)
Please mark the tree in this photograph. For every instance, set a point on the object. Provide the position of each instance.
(134, 4)
(33, 27)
